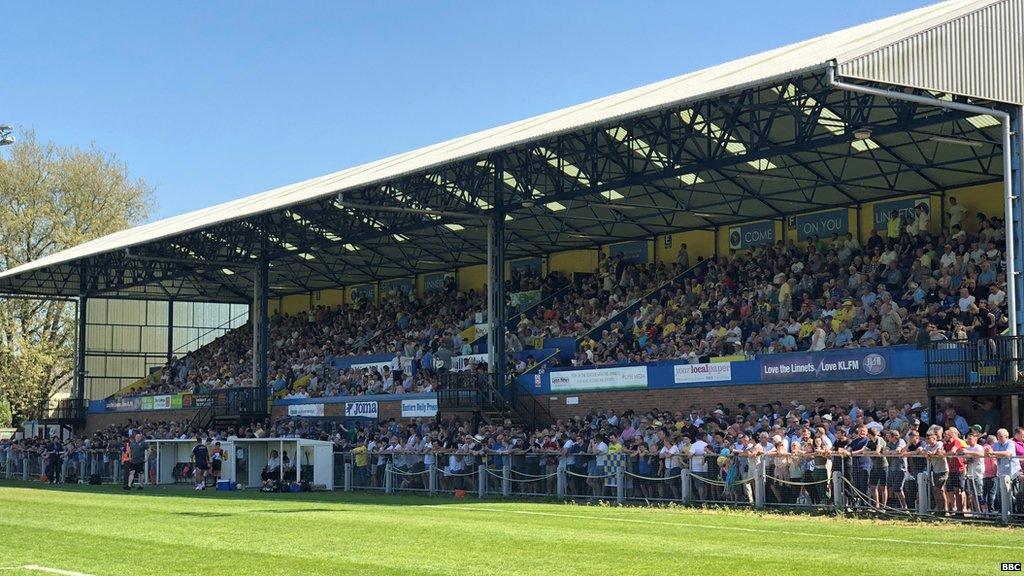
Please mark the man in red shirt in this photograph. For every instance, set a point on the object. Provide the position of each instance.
(954, 488)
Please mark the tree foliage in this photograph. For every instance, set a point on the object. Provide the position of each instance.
(53, 198)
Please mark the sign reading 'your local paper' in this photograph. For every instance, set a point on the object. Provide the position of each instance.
(717, 372)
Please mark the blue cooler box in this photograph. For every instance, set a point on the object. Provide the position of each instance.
(225, 485)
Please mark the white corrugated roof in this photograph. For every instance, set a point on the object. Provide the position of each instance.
(841, 46)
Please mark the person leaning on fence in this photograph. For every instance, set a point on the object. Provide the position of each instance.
(895, 466)
(1008, 468)
(956, 500)
(932, 448)
(54, 454)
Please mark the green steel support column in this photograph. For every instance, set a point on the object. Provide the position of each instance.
(261, 288)
(496, 282)
(170, 330)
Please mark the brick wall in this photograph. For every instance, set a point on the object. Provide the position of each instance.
(101, 420)
(910, 390)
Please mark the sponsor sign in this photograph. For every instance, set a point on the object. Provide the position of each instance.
(361, 409)
(195, 400)
(718, 372)
(162, 402)
(401, 285)
(526, 267)
(123, 404)
(305, 409)
(524, 300)
(623, 378)
(752, 235)
(146, 403)
(823, 224)
(836, 365)
(426, 408)
(435, 282)
(463, 363)
(176, 401)
(634, 252)
(363, 291)
(904, 206)
(404, 364)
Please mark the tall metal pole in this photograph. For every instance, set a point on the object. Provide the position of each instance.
(261, 288)
(170, 330)
(1011, 181)
(496, 281)
(82, 310)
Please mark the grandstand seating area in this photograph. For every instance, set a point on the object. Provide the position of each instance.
(903, 286)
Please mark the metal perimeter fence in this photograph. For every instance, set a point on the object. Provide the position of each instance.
(980, 488)
(975, 488)
(80, 466)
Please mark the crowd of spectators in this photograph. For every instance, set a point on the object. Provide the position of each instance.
(878, 447)
(904, 287)
(302, 347)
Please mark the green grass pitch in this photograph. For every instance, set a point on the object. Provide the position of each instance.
(103, 531)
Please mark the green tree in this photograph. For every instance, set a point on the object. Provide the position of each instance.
(53, 198)
(5, 412)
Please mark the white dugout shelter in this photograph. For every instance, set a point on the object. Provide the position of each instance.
(245, 459)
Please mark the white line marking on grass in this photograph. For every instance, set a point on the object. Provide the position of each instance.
(48, 570)
(952, 543)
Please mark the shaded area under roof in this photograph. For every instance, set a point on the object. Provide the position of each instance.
(759, 137)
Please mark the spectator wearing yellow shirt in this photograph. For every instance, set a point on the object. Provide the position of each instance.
(892, 227)
(362, 462)
(843, 315)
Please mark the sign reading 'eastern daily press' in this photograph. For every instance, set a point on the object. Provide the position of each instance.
(717, 372)
(622, 378)
(361, 409)
(426, 408)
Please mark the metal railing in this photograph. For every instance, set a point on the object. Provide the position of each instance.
(471, 391)
(894, 485)
(67, 411)
(621, 315)
(976, 488)
(972, 364)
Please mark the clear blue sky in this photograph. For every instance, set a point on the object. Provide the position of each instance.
(209, 101)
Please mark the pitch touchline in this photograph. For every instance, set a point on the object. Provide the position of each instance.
(46, 569)
(715, 526)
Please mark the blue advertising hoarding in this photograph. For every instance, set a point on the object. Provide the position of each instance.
(752, 235)
(634, 252)
(823, 224)
(825, 366)
(904, 206)
(855, 364)
(403, 285)
(435, 282)
(363, 291)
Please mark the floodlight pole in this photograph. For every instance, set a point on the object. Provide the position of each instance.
(258, 313)
(1011, 180)
(81, 309)
(496, 282)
